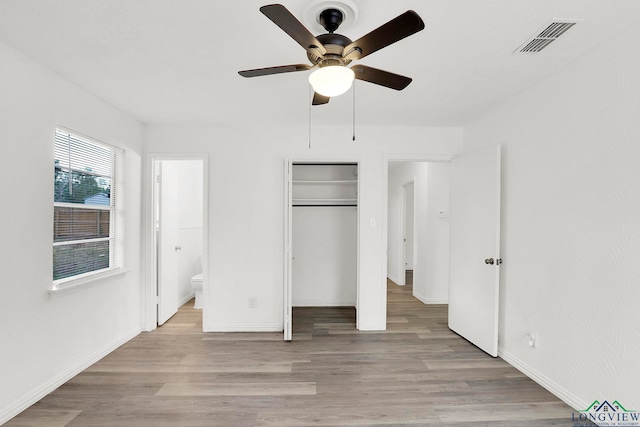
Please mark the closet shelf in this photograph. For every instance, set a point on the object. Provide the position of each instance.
(321, 182)
(325, 200)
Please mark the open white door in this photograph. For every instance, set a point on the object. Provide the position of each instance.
(475, 248)
(287, 251)
(167, 243)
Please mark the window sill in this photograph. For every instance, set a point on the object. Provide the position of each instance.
(64, 286)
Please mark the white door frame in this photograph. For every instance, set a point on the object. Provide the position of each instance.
(288, 259)
(404, 228)
(338, 159)
(388, 158)
(148, 298)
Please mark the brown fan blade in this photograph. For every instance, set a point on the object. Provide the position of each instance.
(274, 70)
(381, 77)
(395, 30)
(319, 99)
(281, 16)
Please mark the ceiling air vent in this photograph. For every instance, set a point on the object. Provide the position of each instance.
(551, 32)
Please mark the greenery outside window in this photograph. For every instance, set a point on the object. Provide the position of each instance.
(84, 217)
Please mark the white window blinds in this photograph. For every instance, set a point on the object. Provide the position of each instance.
(84, 206)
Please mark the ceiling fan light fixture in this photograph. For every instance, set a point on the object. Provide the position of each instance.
(332, 80)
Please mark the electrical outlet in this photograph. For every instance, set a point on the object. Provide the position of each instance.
(531, 339)
(253, 302)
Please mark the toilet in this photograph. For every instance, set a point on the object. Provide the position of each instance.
(196, 284)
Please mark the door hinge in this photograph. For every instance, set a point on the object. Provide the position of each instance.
(157, 299)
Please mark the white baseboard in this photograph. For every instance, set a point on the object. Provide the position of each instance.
(560, 392)
(395, 280)
(324, 304)
(186, 299)
(371, 327)
(426, 300)
(242, 328)
(437, 301)
(30, 398)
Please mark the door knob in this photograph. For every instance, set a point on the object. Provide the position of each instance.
(489, 261)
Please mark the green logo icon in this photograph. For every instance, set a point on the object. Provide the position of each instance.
(607, 414)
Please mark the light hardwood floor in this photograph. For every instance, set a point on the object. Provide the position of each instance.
(415, 373)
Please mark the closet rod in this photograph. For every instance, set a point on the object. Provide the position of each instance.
(324, 206)
(325, 164)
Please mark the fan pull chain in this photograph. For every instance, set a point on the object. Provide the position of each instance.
(354, 111)
(309, 103)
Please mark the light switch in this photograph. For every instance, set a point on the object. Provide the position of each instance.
(372, 223)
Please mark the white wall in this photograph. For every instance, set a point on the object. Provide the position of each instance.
(570, 225)
(431, 189)
(408, 225)
(187, 175)
(324, 248)
(48, 339)
(437, 236)
(246, 176)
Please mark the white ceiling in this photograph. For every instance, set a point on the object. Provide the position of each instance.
(176, 61)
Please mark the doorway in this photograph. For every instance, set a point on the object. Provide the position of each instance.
(176, 245)
(417, 228)
(473, 268)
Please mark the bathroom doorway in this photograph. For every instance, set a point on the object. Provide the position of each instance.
(177, 230)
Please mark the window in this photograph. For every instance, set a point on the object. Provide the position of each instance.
(84, 208)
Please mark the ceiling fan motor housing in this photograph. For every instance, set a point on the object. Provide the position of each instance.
(334, 45)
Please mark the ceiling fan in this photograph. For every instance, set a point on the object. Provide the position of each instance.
(330, 53)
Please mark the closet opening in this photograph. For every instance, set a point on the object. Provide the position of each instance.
(324, 247)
